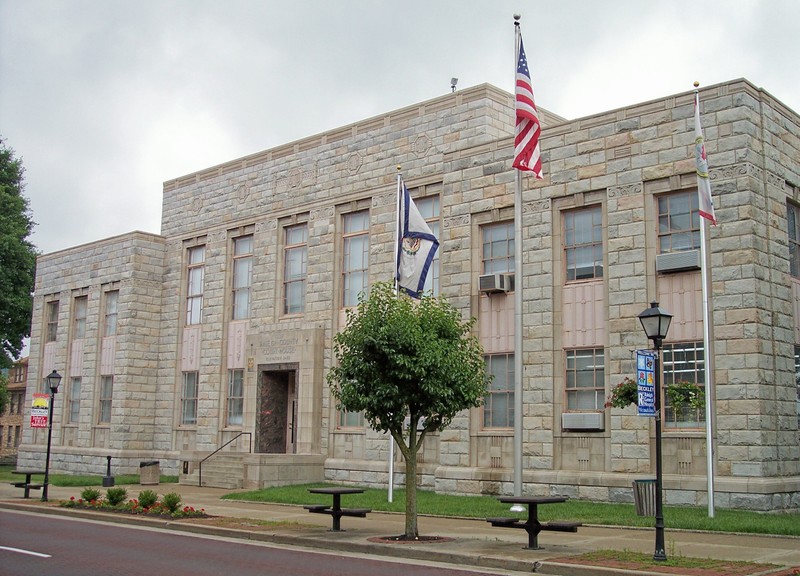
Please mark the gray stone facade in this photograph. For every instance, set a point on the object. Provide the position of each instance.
(458, 147)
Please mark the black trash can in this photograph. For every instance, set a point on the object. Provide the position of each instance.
(644, 497)
(149, 472)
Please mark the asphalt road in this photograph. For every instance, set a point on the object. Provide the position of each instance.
(34, 545)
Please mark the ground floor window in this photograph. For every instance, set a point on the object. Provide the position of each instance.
(189, 398)
(585, 379)
(683, 362)
(106, 391)
(235, 397)
(498, 405)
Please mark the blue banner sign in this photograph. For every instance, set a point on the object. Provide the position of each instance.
(645, 380)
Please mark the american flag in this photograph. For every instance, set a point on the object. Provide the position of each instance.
(526, 136)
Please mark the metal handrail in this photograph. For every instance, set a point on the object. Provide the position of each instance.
(200, 464)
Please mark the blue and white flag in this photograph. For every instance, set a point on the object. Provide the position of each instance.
(416, 245)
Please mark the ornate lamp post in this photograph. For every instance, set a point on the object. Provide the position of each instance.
(655, 322)
(53, 380)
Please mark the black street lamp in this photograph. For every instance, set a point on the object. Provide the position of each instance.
(655, 322)
(53, 380)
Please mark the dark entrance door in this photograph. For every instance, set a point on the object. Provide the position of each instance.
(276, 415)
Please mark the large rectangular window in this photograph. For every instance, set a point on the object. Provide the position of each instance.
(355, 271)
(498, 405)
(429, 209)
(242, 276)
(235, 397)
(683, 362)
(793, 217)
(678, 222)
(498, 248)
(51, 318)
(295, 263)
(106, 392)
(74, 400)
(110, 320)
(585, 379)
(195, 275)
(79, 318)
(583, 243)
(189, 398)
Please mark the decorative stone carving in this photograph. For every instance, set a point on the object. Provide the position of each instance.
(455, 221)
(625, 190)
(197, 204)
(322, 213)
(383, 200)
(422, 145)
(354, 163)
(537, 206)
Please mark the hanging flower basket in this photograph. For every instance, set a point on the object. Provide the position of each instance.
(686, 395)
(623, 394)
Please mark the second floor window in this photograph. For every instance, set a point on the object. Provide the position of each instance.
(294, 269)
(194, 284)
(242, 276)
(112, 299)
(585, 379)
(583, 243)
(429, 209)
(678, 222)
(793, 218)
(79, 318)
(498, 248)
(355, 270)
(498, 406)
(51, 318)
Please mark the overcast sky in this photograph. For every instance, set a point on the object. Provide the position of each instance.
(104, 100)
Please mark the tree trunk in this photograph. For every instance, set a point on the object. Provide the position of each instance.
(412, 531)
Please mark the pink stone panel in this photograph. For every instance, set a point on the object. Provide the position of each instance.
(681, 295)
(584, 314)
(496, 322)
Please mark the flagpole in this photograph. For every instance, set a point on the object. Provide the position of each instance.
(396, 293)
(708, 359)
(518, 365)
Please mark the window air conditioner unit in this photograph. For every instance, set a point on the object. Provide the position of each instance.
(583, 421)
(490, 283)
(678, 261)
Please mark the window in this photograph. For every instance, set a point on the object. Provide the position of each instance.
(235, 397)
(51, 317)
(79, 318)
(355, 270)
(189, 398)
(110, 329)
(797, 379)
(498, 406)
(498, 248)
(242, 276)
(793, 217)
(585, 379)
(294, 269)
(106, 391)
(74, 400)
(194, 284)
(429, 209)
(678, 222)
(583, 243)
(351, 419)
(683, 362)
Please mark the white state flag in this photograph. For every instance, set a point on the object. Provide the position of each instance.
(703, 181)
(416, 246)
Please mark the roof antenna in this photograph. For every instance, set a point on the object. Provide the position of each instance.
(453, 82)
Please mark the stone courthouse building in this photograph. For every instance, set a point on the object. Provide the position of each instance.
(217, 332)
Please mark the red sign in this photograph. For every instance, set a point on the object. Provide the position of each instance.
(40, 410)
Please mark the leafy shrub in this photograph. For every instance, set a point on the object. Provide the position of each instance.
(171, 501)
(116, 496)
(90, 494)
(147, 498)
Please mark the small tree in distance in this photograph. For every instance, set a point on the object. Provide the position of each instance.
(401, 358)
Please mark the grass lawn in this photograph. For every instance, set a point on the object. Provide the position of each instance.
(429, 503)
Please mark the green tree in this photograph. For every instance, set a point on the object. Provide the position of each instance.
(3, 393)
(17, 258)
(399, 358)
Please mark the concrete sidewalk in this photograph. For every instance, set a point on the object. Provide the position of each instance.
(467, 542)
